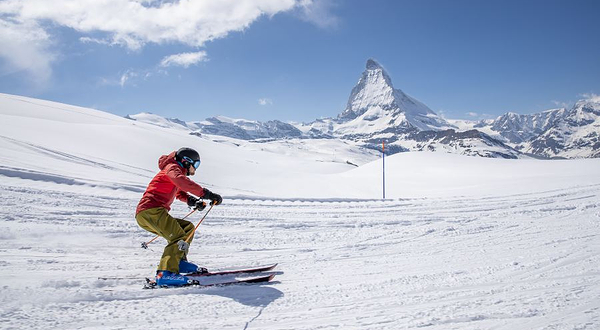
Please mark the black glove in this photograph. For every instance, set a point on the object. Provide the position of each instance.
(215, 199)
(195, 203)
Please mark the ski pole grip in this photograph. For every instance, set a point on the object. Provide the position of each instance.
(202, 207)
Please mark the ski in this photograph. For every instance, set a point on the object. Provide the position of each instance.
(226, 272)
(151, 284)
(235, 271)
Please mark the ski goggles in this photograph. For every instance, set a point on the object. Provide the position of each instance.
(195, 163)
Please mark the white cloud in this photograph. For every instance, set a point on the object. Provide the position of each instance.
(561, 104)
(25, 43)
(184, 59)
(133, 23)
(441, 113)
(478, 116)
(88, 40)
(319, 12)
(25, 46)
(591, 97)
(127, 77)
(265, 101)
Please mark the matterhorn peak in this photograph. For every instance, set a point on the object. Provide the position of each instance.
(374, 88)
(373, 65)
(374, 97)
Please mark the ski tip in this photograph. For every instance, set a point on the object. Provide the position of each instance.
(271, 266)
(260, 279)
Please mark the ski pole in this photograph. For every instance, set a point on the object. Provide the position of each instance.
(187, 240)
(145, 244)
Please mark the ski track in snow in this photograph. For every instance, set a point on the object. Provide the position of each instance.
(525, 261)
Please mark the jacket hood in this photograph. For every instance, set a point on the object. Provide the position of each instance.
(165, 160)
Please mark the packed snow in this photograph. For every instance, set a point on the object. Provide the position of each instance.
(459, 243)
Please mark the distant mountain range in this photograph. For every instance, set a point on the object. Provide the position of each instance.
(556, 133)
(376, 111)
(235, 128)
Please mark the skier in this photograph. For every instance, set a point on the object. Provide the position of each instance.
(152, 213)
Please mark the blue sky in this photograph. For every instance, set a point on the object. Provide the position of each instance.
(298, 60)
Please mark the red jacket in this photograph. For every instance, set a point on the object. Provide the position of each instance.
(169, 183)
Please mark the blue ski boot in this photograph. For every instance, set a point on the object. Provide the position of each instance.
(167, 278)
(188, 267)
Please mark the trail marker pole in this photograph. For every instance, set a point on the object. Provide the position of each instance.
(383, 152)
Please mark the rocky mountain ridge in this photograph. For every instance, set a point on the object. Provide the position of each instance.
(376, 112)
(554, 133)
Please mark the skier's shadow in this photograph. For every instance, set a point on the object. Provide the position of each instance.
(256, 295)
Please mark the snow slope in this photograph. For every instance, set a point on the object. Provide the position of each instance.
(460, 243)
(55, 143)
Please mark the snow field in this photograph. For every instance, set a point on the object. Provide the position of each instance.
(462, 243)
(522, 261)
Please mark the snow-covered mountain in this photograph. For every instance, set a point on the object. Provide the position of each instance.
(375, 100)
(235, 128)
(576, 134)
(376, 112)
(247, 129)
(469, 143)
(159, 121)
(374, 107)
(554, 133)
(518, 128)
